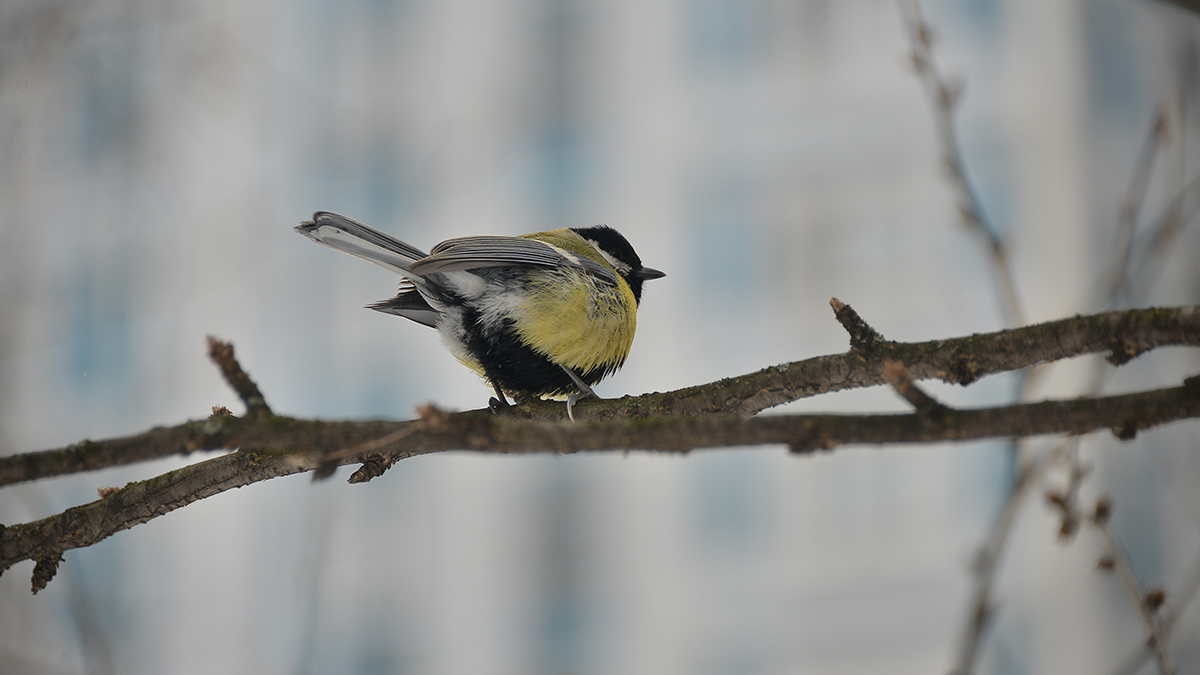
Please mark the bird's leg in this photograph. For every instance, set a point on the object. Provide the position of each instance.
(498, 403)
(584, 392)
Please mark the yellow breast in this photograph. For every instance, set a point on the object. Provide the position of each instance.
(578, 321)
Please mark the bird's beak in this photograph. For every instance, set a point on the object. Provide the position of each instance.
(646, 273)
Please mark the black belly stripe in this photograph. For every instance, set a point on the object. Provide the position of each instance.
(515, 366)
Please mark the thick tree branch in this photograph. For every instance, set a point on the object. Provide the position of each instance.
(963, 360)
(1123, 335)
(280, 446)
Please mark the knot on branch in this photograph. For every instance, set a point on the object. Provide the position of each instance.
(1126, 431)
(814, 437)
(864, 340)
(1124, 350)
(373, 467)
(964, 370)
(1192, 385)
(44, 570)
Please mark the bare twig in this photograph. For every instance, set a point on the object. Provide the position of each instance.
(863, 338)
(1176, 603)
(222, 354)
(986, 561)
(1131, 205)
(1147, 603)
(1175, 218)
(1115, 559)
(946, 97)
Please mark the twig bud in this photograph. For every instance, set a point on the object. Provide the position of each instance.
(1155, 599)
(1103, 511)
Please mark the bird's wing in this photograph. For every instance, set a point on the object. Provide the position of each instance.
(351, 236)
(467, 253)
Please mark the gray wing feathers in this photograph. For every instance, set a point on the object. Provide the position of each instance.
(461, 253)
(465, 253)
(350, 236)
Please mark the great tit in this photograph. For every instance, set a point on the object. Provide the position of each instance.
(543, 314)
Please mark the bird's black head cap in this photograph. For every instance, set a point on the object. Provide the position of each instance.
(620, 254)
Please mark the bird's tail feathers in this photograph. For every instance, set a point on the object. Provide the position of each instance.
(410, 304)
(350, 236)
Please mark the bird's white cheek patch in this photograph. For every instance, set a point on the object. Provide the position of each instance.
(617, 264)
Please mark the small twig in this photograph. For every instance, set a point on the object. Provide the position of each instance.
(222, 354)
(1066, 501)
(1166, 230)
(863, 338)
(1176, 604)
(988, 559)
(1172, 612)
(897, 376)
(945, 97)
(1116, 560)
(1183, 596)
(1131, 206)
(1147, 603)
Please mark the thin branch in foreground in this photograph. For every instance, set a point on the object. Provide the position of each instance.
(222, 354)
(273, 446)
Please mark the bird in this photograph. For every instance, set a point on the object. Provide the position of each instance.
(542, 314)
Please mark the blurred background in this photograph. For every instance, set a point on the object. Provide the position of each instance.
(767, 154)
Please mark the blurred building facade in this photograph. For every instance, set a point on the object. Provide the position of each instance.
(768, 155)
